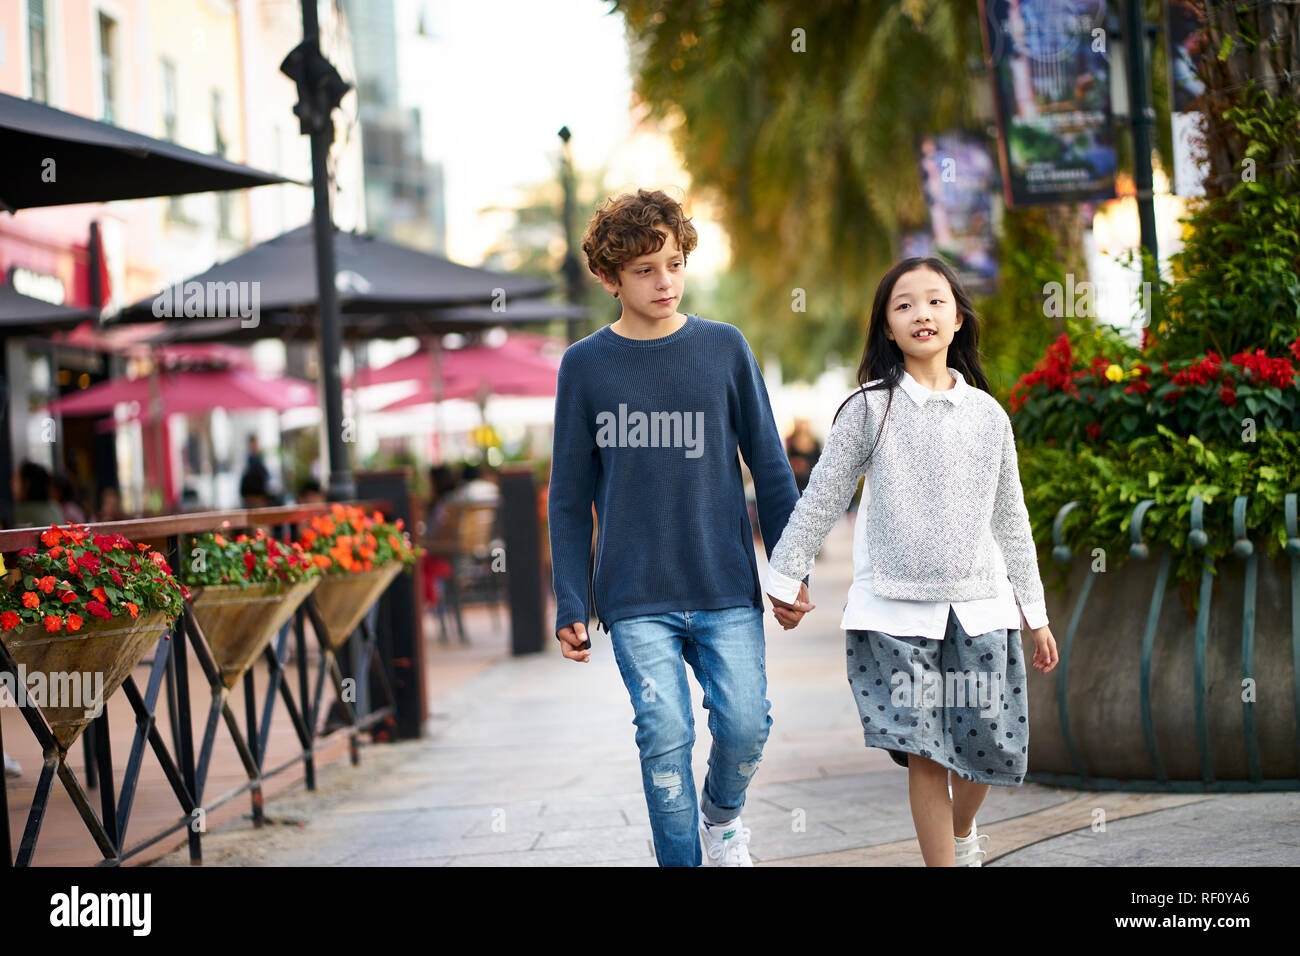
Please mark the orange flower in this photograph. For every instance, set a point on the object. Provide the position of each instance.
(53, 623)
(31, 599)
(378, 517)
(221, 542)
(56, 551)
(321, 561)
(133, 608)
(394, 543)
(308, 538)
(51, 537)
(74, 622)
(400, 524)
(46, 584)
(338, 511)
(326, 527)
(100, 594)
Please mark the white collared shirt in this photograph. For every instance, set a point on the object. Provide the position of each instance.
(866, 610)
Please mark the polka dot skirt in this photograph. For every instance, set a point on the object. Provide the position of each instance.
(960, 702)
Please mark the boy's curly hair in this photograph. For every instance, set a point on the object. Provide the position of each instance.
(623, 229)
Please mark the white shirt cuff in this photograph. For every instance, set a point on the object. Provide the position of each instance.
(781, 587)
(1034, 615)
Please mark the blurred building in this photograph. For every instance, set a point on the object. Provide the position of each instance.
(201, 73)
(404, 191)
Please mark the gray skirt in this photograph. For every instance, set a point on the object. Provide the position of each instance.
(961, 702)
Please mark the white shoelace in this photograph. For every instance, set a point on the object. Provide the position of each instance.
(728, 851)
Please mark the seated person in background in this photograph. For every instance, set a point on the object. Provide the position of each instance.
(476, 489)
(68, 499)
(32, 505)
(110, 505)
(310, 492)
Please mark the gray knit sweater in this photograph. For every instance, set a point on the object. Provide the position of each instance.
(944, 488)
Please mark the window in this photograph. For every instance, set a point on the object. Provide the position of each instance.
(170, 124)
(38, 46)
(219, 147)
(107, 68)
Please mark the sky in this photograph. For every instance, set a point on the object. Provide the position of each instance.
(497, 80)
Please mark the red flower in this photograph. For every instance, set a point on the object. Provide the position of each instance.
(68, 596)
(1093, 430)
(1228, 396)
(1138, 387)
(74, 622)
(51, 537)
(132, 608)
(100, 595)
(98, 609)
(53, 623)
(90, 563)
(9, 620)
(117, 578)
(72, 565)
(249, 560)
(46, 584)
(56, 551)
(26, 552)
(31, 599)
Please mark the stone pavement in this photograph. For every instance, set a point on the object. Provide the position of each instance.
(532, 762)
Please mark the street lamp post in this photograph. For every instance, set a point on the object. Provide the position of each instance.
(1142, 120)
(319, 90)
(572, 269)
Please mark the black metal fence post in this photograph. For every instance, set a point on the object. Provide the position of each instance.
(523, 558)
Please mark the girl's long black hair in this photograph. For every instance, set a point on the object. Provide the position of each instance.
(883, 359)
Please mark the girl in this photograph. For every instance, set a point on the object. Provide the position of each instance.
(932, 630)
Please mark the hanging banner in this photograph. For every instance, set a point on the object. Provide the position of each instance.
(1186, 34)
(1051, 89)
(959, 179)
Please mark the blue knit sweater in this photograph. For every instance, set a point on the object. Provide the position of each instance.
(648, 431)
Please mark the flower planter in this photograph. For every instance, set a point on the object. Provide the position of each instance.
(239, 622)
(109, 648)
(1188, 744)
(344, 599)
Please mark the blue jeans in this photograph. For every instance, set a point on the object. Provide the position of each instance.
(726, 650)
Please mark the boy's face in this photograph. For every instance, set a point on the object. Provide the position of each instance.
(922, 299)
(651, 285)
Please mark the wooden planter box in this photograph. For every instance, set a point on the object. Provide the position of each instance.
(344, 599)
(239, 622)
(111, 648)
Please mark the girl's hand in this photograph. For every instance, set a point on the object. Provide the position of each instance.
(789, 615)
(1044, 648)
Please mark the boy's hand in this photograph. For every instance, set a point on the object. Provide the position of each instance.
(791, 614)
(571, 640)
(1044, 648)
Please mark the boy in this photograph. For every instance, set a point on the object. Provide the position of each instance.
(649, 413)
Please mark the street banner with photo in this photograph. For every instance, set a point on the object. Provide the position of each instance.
(1186, 36)
(959, 178)
(1051, 89)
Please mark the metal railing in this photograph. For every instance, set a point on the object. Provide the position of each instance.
(185, 770)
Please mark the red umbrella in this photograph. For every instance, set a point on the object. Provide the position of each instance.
(191, 392)
(520, 362)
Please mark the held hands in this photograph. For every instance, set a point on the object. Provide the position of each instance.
(1044, 648)
(791, 614)
(572, 639)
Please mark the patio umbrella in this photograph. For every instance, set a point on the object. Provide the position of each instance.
(191, 392)
(23, 315)
(54, 158)
(515, 360)
(473, 372)
(372, 276)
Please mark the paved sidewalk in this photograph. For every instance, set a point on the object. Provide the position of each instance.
(532, 762)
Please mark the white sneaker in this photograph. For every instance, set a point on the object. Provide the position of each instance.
(12, 767)
(726, 844)
(968, 851)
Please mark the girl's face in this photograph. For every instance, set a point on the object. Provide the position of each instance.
(922, 301)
